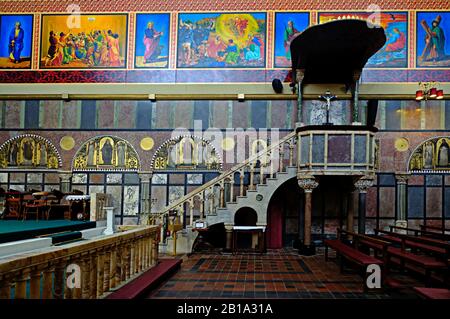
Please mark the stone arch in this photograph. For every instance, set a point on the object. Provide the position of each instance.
(430, 156)
(171, 156)
(106, 153)
(246, 216)
(29, 151)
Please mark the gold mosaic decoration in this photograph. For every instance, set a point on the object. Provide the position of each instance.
(29, 151)
(106, 153)
(431, 155)
(186, 153)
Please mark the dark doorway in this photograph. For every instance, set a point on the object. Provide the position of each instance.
(245, 216)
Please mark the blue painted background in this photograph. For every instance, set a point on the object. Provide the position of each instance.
(161, 23)
(429, 17)
(7, 23)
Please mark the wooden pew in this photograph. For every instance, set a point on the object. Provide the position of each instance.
(441, 230)
(433, 293)
(407, 259)
(353, 254)
(421, 233)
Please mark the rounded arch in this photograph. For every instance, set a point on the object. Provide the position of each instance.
(201, 154)
(106, 153)
(430, 156)
(245, 216)
(29, 151)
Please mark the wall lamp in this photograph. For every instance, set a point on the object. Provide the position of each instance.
(429, 90)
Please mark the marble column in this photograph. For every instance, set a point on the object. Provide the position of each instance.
(64, 181)
(145, 178)
(362, 185)
(308, 184)
(400, 202)
(300, 75)
(229, 237)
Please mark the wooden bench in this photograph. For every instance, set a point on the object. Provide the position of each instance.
(403, 257)
(421, 233)
(352, 254)
(433, 293)
(142, 285)
(440, 229)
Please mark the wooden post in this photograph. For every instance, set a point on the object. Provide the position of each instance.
(241, 184)
(252, 170)
(5, 288)
(281, 157)
(47, 284)
(35, 284)
(93, 276)
(113, 267)
(191, 212)
(222, 197)
(100, 273)
(58, 292)
(21, 284)
(107, 269)
(85, 272)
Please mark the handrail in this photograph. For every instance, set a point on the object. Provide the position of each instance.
(223, 176)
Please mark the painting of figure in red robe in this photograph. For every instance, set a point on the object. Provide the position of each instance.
(394, 54)
(152, 40)
(86, 41)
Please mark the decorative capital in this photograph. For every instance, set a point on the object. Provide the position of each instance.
(363, 184)
(402, 177)
(145, 177)
(308, 184)
(65, 176)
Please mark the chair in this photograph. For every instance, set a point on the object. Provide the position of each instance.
(36, 207)
(13, 207)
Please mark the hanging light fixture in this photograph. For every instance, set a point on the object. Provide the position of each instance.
(429, 90)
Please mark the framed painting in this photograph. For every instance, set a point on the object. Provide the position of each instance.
(221, 40)
(16, 36)
(394, 54)
(87, 41)
(288, 25)
(433, 39)
(152, 36)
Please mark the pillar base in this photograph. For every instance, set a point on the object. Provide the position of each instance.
(307, 250)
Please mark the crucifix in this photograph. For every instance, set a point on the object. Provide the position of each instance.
(328, 97)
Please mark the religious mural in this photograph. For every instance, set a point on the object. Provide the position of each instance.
(152, 40)
(394, 54)
(288, 25)
(187, 153)
(16, 38)
(29, 151)
(432, 47)
(106, 153)
(221, 40)
(84, 41)
(431, 155)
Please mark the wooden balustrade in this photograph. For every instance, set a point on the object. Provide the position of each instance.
(103, 264)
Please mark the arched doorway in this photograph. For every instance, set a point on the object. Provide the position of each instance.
(245, 216)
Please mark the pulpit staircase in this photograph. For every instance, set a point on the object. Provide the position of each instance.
(217, 200)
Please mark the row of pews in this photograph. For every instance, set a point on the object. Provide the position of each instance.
(41, 205)
(424, 253)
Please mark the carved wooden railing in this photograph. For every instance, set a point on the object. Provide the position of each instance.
(103, 264)
(272, 160)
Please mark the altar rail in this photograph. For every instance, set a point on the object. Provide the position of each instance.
(103, 264)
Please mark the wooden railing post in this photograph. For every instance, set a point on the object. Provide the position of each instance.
(58, 286)
(5, 287)
(154, 255)
(252, 172)
(100, 272)
(291, 153)
(93, 264)
(47, 289)
(85, 274)
(281, 157)
(35, 284)
(113, 267)
(21, 284)
(127, 260)
(191, 212)
(107, 269)
(261, 173)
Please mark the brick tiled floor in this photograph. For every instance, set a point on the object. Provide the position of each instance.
(277, 274)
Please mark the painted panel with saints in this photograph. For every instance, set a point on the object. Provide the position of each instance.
(432, 40)
(221, 40)
(84, 41)
(431, 155)
(29, 151)
(188, 153)
(106, 153)
(16, 37)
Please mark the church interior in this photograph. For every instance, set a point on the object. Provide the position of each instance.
(241, 149)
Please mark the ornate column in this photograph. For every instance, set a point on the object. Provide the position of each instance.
(300, 75)
(308, 184)
(64, 181)
(400, 202)
(145, 178)
(362, 185)
(355, 111)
